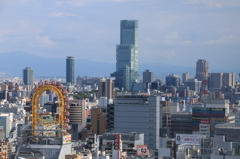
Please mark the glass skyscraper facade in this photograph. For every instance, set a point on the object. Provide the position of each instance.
(70, 70)
(28, 76)
(127, 55)
(173, 80)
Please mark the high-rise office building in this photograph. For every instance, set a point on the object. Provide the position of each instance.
(194, 84)
(173, 80)
(139, 114)
(215, 80)
(127, 55)
(202, 68)
(228, 79)
(28, 76)
(98, 121)
(70, 70)
(77, 116)
(106, 88)
(185, 77)
(219, 80)
(147, 76)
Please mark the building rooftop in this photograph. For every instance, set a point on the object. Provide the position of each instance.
(228, 126)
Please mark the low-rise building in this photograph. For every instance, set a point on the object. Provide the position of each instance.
(226, 141)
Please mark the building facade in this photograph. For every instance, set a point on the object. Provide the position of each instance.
(70, 67)
(127, 55)
(173, 80)
(147, 76)
(98, 121)
(185, 76)
(194, 85)
(106, 89)
(202, 68)
(77, 112)
(28, 76)
(226, 142)
(141, 114)
(5, 149)
(218, 80)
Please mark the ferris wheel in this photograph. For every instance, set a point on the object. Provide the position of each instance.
(60, 123)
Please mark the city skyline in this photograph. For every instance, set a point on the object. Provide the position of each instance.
(173, 32)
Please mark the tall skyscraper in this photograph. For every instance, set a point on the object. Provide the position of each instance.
(28, 76)
(185, 77)
(147, 76)
(127, 55)
(70, 70)
(202, 68)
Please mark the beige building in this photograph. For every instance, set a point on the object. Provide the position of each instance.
(106, 88)
(98, 121)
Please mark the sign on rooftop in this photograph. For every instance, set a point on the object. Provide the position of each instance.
(188, 138)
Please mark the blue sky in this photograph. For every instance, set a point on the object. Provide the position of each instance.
(170, 31)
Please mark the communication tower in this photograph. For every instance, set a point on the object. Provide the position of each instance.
(204, 94)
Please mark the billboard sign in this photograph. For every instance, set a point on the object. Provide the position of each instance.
(204, 121)
(67, 139)
(166, 109)
(209, 112)
(188, 138)
(142, 150)
(117, 142)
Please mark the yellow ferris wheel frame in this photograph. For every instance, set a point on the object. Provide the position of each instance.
(36, 119)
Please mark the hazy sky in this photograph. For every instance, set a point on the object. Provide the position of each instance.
(170, 31)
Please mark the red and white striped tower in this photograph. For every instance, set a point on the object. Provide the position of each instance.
(205, 86)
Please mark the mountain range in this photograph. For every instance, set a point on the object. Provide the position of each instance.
(13, 63)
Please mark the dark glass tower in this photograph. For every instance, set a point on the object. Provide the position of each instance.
(70, 70)
(127, 55)
(202, 68)
(28, 76)
(173, 80)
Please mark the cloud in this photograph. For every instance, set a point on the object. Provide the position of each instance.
(123, 0)
(224, 40)
(187, 42)
(77, 3)
(169, 54)
(80, 3)
(171, 37)
(58, 3)
(209, 3)
(42, 42)
(61, 14)
(234, 3)
(4, 32)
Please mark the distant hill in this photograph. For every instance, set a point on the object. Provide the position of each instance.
(13, 63)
